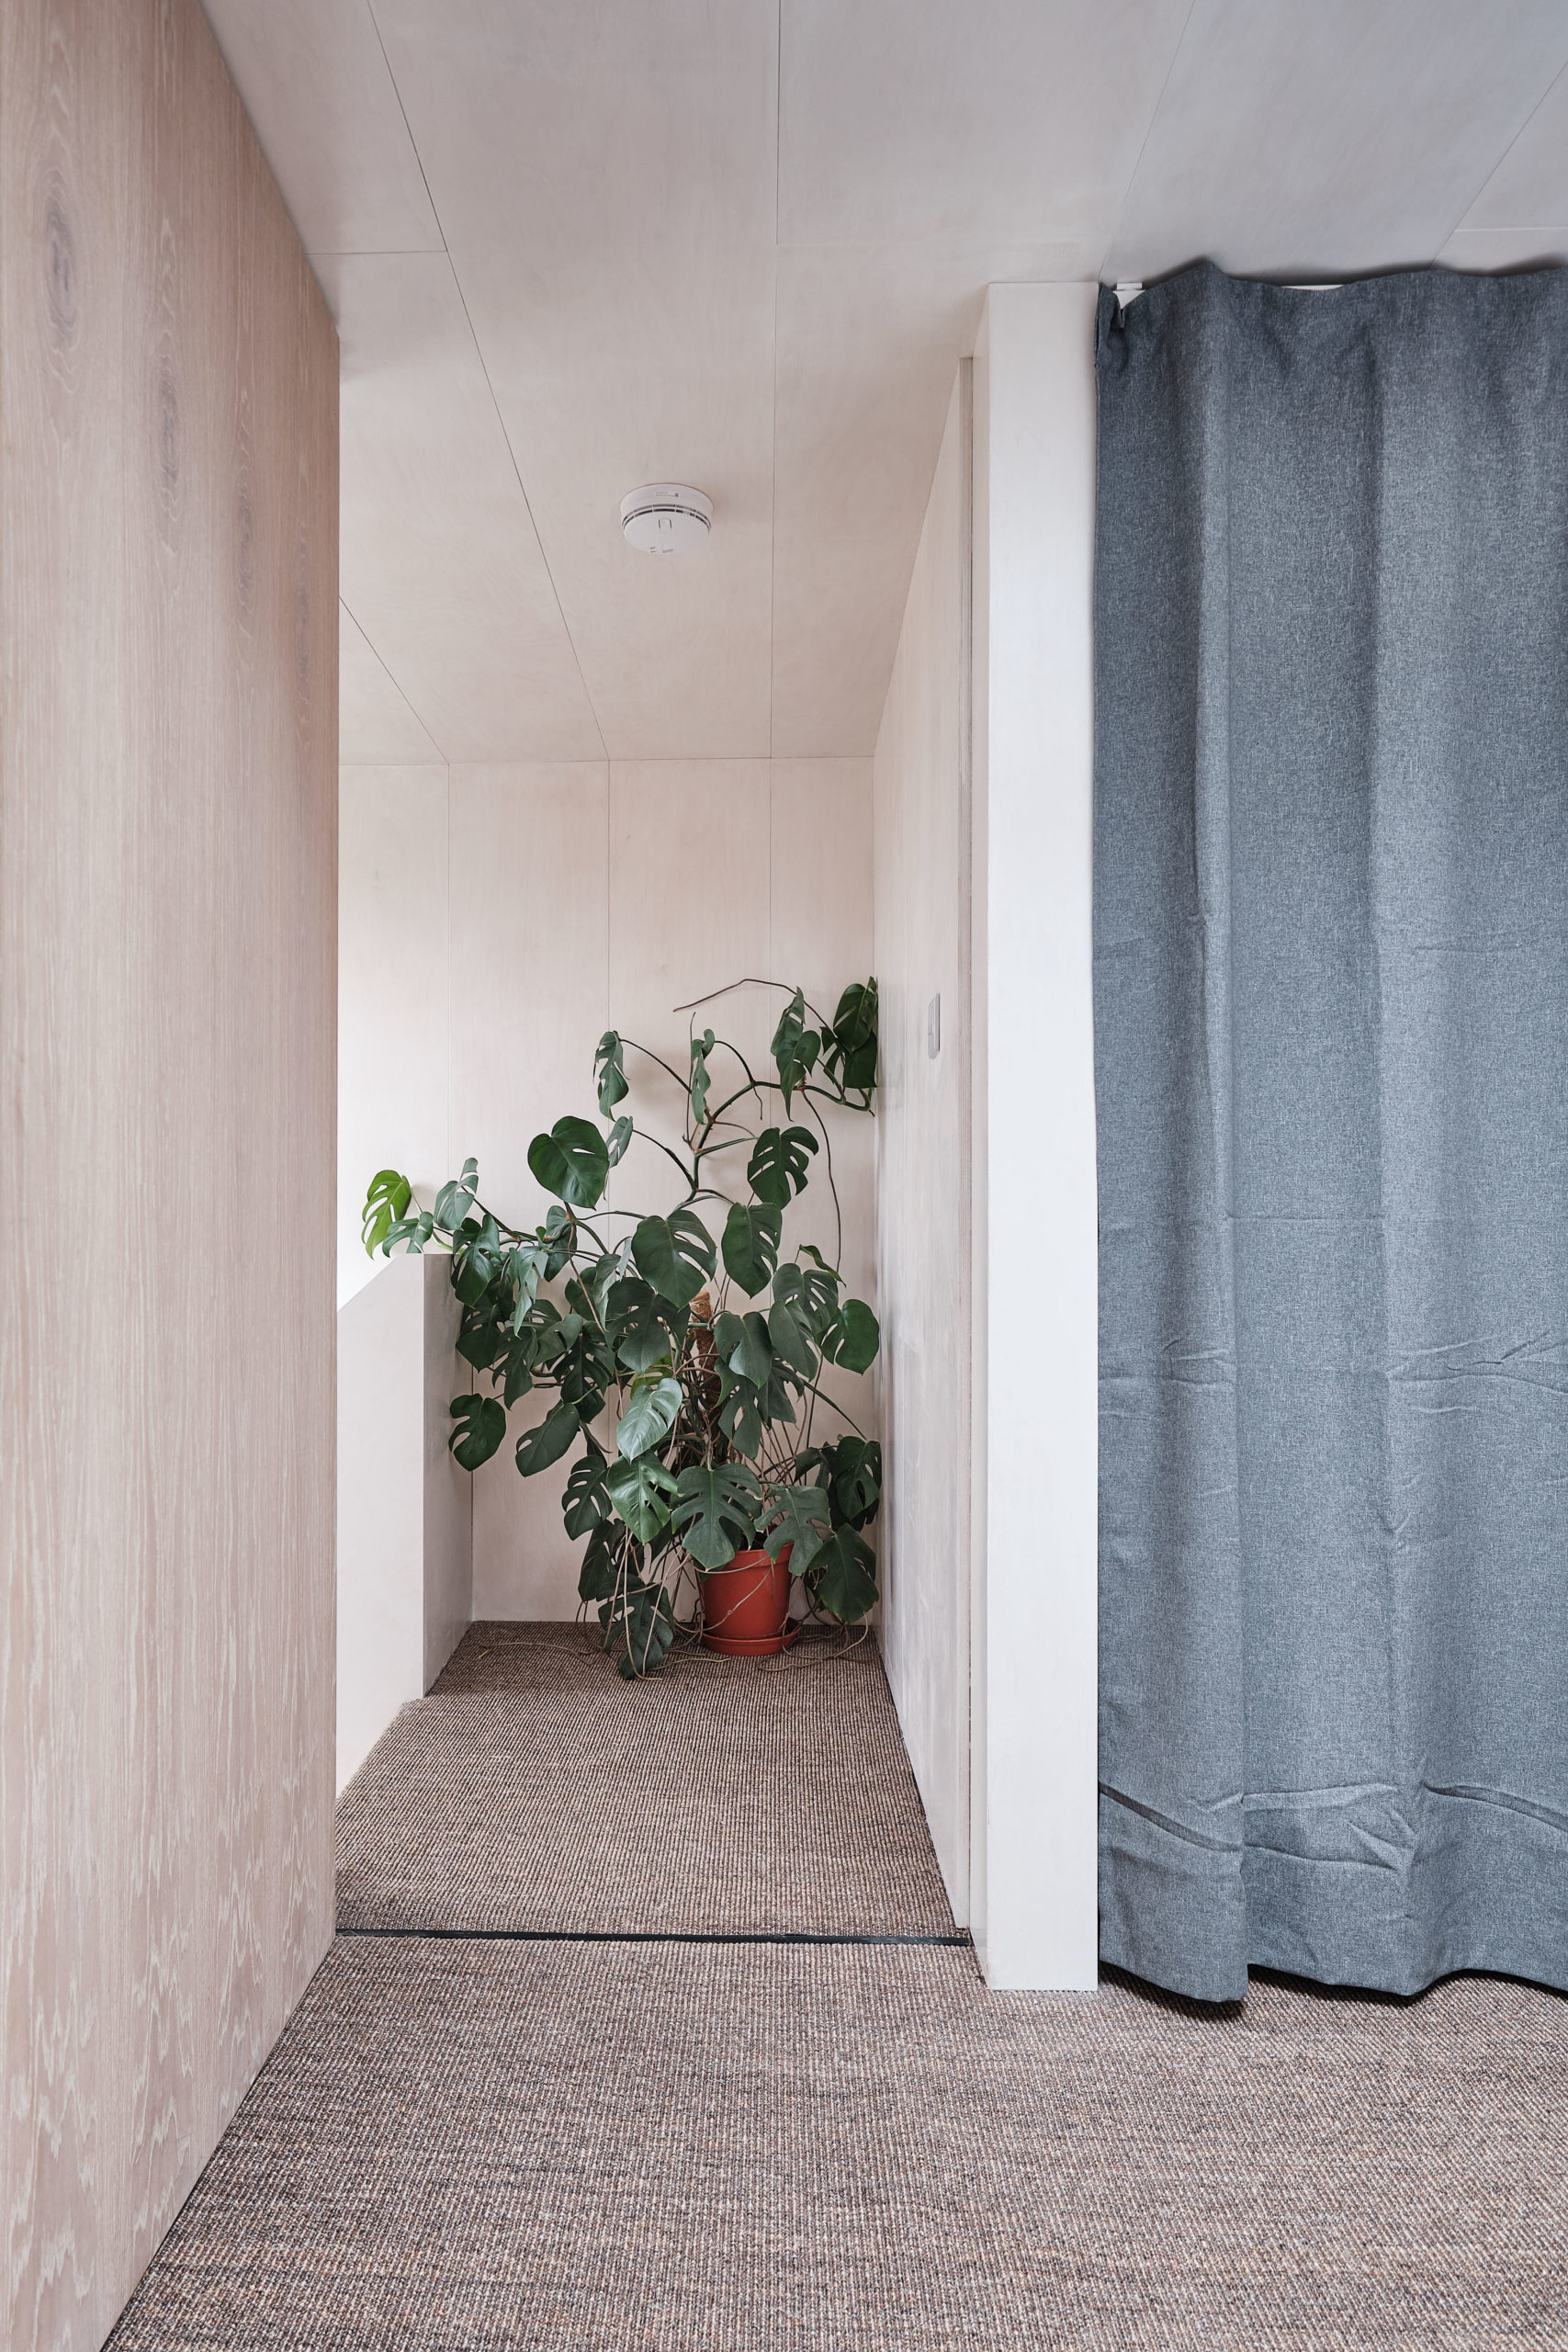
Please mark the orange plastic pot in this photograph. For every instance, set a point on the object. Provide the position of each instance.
(746, 1606)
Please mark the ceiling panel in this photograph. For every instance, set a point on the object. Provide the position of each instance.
(376, 725)
(869, 338)
(743, 243)
(1529, 187)
(603, 172)
(1350, 135)
(1498, 249)
(439, 561)
(320, 93)
(995, 122)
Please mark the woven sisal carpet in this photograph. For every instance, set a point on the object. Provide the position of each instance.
(534, 1789)
(851, 2149)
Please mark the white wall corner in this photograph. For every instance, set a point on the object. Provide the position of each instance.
(448, 1495)
(405, 1511)
(921, 892)
(1034, 1583)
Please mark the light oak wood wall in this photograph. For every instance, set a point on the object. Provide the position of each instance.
(168, 527)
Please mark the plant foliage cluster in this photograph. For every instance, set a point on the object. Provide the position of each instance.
(708, 1354)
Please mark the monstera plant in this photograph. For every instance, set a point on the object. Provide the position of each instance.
(708, 1351)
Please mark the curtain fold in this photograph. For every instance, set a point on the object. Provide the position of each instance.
(1331, 1005)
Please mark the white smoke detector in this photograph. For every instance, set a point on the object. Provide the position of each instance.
(666, 518)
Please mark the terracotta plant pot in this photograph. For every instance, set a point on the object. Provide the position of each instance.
(746, 1606)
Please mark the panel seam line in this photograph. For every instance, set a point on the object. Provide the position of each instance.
(648, 1936)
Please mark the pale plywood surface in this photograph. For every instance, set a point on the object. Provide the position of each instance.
(496, 919)
(393, 1007)
(922, 819)
(318, 86)
(167, 884)
(442, 566)
(606, 178)
(1335, 140)
(376, 724)
(747, 246)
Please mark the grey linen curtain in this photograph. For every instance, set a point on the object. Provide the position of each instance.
(1331, 1005)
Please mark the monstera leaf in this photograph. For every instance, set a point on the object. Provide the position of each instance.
(853, 1479)
(480, 1426)
(714, 1511)
(521, 1267)
(852, 1337)
(478, 1261)
(386, 1204)
(454, 1201)
(586, 1503)
(805, 1520)
(649, 1624)
(794, 1047)
(560, 1240)
(778, 1165)
(636, 1322)
(739, 1412)
(573, 1161)
(790, 1338)
(843, 1574)
(537, 1449)
(816, 1284)
(642, 1492)
(482, 1334)
(849, 1050)
(751, 1245)
(649, 1418)
(521, 1358)
(601, 1278)
(600, 1560)
(700, 1079)
(742, 1341)
(675, 1255)
(610, 1073)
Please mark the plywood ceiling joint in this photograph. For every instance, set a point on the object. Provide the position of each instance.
(610, 291)
(484, 370)
(1545, 226)
(384, 665)
(1143, 143)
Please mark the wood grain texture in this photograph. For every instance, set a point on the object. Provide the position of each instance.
(168, 505)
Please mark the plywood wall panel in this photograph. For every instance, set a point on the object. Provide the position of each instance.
(167, 915)
(394, 996)
(530, 960)
(691, 911)
(821, 891)
(582, 893)
(922, 817)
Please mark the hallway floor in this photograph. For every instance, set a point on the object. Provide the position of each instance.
(528, 2138)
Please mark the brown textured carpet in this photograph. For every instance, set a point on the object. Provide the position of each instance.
(533, 1789)
(834, 2149)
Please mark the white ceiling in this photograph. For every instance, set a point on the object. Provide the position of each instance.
(573, 246)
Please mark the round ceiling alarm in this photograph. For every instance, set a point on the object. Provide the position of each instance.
(666, 518)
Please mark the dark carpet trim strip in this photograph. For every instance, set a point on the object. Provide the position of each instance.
(635, 1935)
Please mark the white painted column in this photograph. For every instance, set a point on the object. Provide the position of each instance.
(404, 1509)
(1034, 1581)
